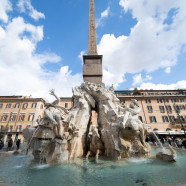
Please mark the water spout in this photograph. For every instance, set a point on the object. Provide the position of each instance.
(159, 142)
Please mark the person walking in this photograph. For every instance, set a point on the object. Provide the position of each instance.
(1, 144)
(10, 143)
(18, 143)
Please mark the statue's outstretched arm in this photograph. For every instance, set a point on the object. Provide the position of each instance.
(57, 101)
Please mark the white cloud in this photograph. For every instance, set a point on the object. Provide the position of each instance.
(80, 56)
(5, 6)
(25, 5)
(104, 15)
(168, 70)
(21, 67)
(177, 85)
(151, 44)
(137, 79)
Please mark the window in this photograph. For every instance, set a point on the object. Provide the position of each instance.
(31, 117)
(180, 118)
(66, 105)
(166, 100)
(22, 117)
(153, 119)
(151, 93)
(165, 119)
(16, 105)
(122, 101)
(10, 128)
(184, 100)
(1, 106)
(162, 109)
(180, 100)
(182, 107)
(34, 105)
(168, 108)
(28, 126)
(140, 118)
(172, 118)
(185, 118)
(4, 118)
(148, 101)
(8, 105)
(25, 105)
(1, 128)
(19, 128)
(13, 117)
(174, 100)
(176, 108)
(159, 100)
(149, 108)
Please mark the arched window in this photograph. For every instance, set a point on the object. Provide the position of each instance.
(155, 129)
(168, 129)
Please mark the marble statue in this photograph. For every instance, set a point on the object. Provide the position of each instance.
(118, 134)
(55, 113)
(131, 119)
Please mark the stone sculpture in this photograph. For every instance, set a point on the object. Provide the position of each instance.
(96, 145)
(167, 157)
(119, 133)
(55, 113)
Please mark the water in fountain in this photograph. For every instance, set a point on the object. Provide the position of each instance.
(159, 142)
(27, 149)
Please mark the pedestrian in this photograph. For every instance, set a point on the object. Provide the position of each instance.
(10, 143)
(179, 143)
(18, 143)
(1, 144)
(169, 140)
(184, 143)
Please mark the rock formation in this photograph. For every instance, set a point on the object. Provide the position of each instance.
(63, 135)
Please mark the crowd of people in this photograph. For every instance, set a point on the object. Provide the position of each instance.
(10, 144)
(177, 142)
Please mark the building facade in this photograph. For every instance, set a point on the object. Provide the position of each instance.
(163, 110)
(17, 113)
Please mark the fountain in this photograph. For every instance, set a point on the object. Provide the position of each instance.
(69, 151)
(119, 134)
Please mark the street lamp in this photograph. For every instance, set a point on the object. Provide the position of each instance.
(177, 111)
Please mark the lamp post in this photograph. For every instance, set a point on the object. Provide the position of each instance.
(177, 111)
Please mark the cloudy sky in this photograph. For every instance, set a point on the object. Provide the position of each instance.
(143, 43)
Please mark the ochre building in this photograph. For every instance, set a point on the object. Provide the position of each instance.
(17, 113)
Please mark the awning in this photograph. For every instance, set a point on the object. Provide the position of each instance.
(169, 132)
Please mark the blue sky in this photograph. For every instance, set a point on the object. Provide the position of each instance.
(143, 44)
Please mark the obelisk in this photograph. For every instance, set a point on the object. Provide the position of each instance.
(92, 67)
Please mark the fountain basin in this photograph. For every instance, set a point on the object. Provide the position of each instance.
(21, 170)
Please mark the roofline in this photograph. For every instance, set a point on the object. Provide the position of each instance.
(149, 90)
